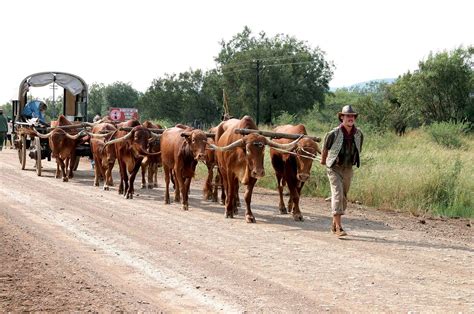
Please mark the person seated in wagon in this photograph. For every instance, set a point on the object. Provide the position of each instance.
(35, 109)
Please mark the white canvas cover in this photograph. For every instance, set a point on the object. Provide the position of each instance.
(66, 81)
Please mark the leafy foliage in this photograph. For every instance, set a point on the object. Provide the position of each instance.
(447, 134)
(293, 76)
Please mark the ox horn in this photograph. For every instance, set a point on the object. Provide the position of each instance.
(42, 135)
(120, 139)
(75, 137)
(154, 137)
(288, 146)
(228, 147)
(96, 135)
(145, 153)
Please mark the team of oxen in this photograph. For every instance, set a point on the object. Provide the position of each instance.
(235, 147)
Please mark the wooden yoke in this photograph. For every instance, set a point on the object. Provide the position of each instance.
(276, 135)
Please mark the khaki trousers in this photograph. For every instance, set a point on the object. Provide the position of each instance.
(340, 181)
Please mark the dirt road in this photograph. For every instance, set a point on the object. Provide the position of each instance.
(73, 247)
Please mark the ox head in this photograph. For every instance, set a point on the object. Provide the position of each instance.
(139, 139)
(197, 142)
(254, 146)
(306, 150)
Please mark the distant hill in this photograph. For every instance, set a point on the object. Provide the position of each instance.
(365, 84)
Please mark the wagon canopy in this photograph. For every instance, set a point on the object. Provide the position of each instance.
(74, 84)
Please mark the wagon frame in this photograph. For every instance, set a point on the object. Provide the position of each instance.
(75, 92)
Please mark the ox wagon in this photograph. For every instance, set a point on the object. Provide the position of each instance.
(74, 108)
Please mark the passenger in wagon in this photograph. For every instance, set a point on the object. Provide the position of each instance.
(35, 109)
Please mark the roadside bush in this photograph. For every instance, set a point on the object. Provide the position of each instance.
(447, 134)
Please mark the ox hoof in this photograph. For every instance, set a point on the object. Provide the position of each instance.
(106, 188)
(236, 211)
(298, 217)
(65, 179)
(185, 207)
(229, 215)
(150, 186)
(155, 185)
(143, 186)
(250, 218)
(283, 211)
(167, 201)
(96, 183)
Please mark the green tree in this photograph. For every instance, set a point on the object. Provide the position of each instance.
(97, 103)
(121, 95)
(439, 90)
(293, 75)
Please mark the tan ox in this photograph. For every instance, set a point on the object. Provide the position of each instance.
(240, 158)
(181, 149)
(293, 168)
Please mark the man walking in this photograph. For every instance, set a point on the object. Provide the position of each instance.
(3, 128)
(341, 150)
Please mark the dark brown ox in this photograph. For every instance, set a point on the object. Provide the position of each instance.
(150, 164)
(240, 158)
(210, 189)
(104, 156)
(130, 149)
(63, 148)
(293, 168)
(181, 149)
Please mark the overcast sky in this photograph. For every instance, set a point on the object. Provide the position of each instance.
(137, 41)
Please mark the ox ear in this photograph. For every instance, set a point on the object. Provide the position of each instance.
(187, 136)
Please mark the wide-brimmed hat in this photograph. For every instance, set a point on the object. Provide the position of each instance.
(347, 110)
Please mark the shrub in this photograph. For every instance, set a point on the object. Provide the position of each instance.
(447, 134)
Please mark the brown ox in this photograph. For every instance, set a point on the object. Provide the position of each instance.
(63, 148)
(293, 168)
(210, 189)
(104, 156)
(241, 158)
(181, 149)
(150, 164)
(130, 149)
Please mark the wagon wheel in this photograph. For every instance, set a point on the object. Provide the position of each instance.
(22, 151)
(38, 155)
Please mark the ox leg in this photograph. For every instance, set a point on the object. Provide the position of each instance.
(236, 196)
(281, 206)
(151, 172)
(180, 188)
(206, 192)
(155, 176)
(185, 191)
(177, 186)
(166, 170)
(144, 167)
(296, 203)
(108, 180)
(123, 177)
(135, 170)
(223, 187)
(229, 200)
(63, 168)
(72, 163)
(248, 199)
(58, 172)
(215, 187)
(97, 170)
